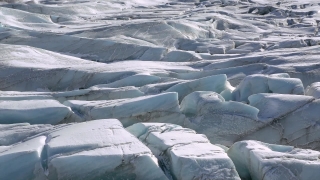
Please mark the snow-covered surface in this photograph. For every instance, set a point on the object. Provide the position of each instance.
(229, 69)
(261, 161)
(183, 154)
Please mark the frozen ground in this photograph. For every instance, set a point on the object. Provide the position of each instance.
(243, 74)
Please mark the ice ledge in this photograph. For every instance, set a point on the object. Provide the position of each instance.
(183, 154)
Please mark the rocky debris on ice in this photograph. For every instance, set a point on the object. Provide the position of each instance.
(183, 154)
(261, 161)
(100, 149)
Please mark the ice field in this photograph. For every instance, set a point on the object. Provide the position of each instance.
(159, 90)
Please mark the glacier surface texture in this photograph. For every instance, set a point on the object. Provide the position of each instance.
(159, 89)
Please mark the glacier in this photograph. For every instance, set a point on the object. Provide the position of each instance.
(89, 150)
(256, 160)
(157, 108)
(222, 121)
(184, 154)
(43, 111)
(162, 89)
(313, 90)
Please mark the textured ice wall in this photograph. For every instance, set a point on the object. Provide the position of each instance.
(100, 149)
(183, 154)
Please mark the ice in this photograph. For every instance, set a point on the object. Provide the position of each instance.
(97, 92)
(293, 120)
(254, 84)
(275, 106)
(261, 161)
(212, 83)
(22, 161)
(120, 33)
(231, 70)
(227, 93)
(183, 154)
(18, 96)
(100, 149)
(14, 133)
(314, 90)
(195, 102)
(272, 118)
(87, 44)
(222, 122)
(35, 112)
(154, 108)
(29, 69)
(135, 80)
(159, 87)
(181, 56)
